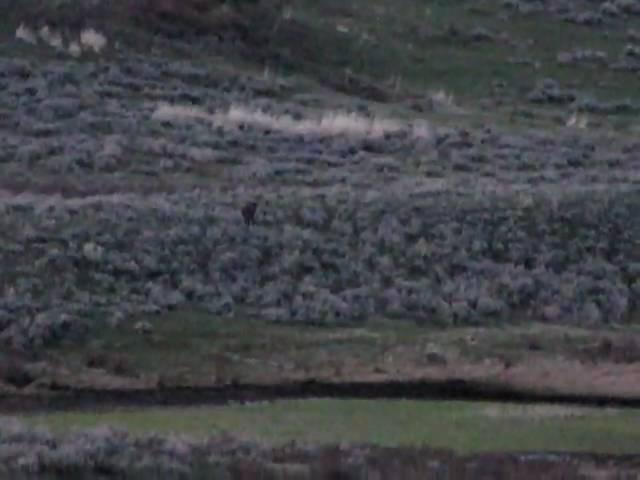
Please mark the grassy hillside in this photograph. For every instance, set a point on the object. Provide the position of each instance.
(487, 50)
(433, 164)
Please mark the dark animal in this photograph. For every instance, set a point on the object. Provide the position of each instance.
(249, 213)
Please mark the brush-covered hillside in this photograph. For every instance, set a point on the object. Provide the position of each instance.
(439, 162)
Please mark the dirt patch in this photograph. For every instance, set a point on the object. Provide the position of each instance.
(623, 350)
(201, 354)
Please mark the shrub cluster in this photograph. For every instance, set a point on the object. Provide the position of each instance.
(322, 260)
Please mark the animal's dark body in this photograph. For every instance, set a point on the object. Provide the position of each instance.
(249, 213)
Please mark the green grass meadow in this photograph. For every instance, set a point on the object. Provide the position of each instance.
(466, 427)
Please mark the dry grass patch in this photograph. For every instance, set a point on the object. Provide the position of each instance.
(167, 113)
(89, 39)
(26, 34)
(577, 120)
(443, 101)
(330, 123)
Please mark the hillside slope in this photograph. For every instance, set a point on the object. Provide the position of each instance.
(452, 163)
